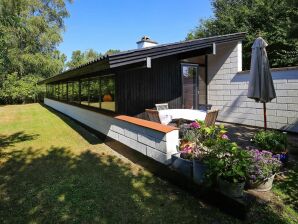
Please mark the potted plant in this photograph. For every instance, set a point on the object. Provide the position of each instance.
(182, 161)
(262, 170)
(206, 138)
(273, 141)
(229, 164)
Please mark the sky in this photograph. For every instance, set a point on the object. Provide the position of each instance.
(119, 24)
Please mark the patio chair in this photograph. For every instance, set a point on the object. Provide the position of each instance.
(211, 117)
(205, 106)
(153, 115)
(162, 106)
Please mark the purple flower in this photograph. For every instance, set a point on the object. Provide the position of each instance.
(253, 177)
(195, 125)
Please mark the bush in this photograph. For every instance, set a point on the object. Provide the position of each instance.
(272, 141)
(228, 161)
(15, 90)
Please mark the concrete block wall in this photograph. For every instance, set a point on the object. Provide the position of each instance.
(227, 90)
(155, 144)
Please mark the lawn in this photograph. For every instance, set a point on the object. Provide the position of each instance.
(54, 171)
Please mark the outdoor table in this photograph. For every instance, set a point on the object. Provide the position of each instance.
(166, 116)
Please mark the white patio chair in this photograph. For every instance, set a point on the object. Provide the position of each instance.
(162, 106)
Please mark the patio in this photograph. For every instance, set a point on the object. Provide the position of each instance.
(242, 134)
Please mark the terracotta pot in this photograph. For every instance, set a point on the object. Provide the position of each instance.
(265, 185)
(233, 190)
(107, 98)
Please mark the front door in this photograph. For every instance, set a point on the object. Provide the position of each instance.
(190, 86)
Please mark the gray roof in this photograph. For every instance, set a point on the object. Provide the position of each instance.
(135, 56)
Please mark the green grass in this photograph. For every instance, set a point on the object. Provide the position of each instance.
(54, 171)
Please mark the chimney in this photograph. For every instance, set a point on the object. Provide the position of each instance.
(146, 42)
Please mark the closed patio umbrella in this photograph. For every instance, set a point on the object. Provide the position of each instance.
(260, 87)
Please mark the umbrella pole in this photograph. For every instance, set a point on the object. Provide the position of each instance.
(265, 116)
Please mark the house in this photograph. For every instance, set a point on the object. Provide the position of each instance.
(110, 94)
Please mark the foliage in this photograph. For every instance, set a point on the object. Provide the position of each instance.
(198, 139)
(30, 31)
(275, 21)
(263, 166)
(79, 58)
(23, 90)
(228, 161)
(272, 141)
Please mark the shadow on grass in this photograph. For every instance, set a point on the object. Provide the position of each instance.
(58, 186)
(91, 139)
(289, 186)
(11, 140)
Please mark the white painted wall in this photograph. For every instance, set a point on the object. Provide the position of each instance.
(157, 145)
(227, 90)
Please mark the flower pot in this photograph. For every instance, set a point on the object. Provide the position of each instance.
(183, 166)
(199, 171)
(107, 98)
(233, 190)
(265, 185)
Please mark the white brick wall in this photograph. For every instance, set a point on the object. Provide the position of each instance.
(227, 91)
(157, 145)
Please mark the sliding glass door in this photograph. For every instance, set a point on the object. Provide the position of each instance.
(190, 86)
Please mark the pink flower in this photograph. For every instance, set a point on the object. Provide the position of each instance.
(187, 149)
(195, 125)
(224, 136)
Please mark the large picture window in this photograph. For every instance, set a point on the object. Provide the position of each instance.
(70, 91)
(76, 92)
(98, 92)
(63, 91)
(94, 93)
(107, 85)
(57, 91)
(85, 92)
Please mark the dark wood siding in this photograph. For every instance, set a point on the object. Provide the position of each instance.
(142, 88)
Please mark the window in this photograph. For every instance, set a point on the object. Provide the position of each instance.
(76, 92)
(107, 85)
(85, 92)
(70, 91)
(49, 90)
(63, 87)
(57, 92)
(94, 93)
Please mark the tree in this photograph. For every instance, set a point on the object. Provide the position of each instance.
(293, 32)
(273, 20)
(112, 51)
(79, 58)
(30, 31)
